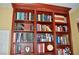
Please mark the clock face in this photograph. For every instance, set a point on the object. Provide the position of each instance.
(49, 47)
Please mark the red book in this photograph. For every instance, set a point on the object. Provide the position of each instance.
(59, 18)
(27, 27)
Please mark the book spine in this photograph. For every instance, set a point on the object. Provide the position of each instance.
(22, 15)
(39, 17)
(14, 37)
(18, 16)
(43, 48)
(30, 16)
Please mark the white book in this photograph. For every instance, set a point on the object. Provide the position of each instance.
(19, 37)
(48, 29)
(50, 18)
(60, 21)
(39, 17)
(39, 48)
(30, 16)
(59, 16)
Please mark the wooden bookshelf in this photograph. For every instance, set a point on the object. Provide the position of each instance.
(40, 29)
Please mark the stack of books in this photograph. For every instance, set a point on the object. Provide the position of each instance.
(60, 18)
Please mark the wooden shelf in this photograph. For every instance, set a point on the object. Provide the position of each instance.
(45, 42)
(44, 22)
(22, 31)
(61, 33)
(44, 32)
(59, 23)
(24, 21)
(62, 46)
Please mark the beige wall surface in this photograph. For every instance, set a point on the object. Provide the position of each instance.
(6, 23)
(75, 34)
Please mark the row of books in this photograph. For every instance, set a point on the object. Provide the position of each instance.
(65, 51)
(44, 17)
(61, 28)
(24, 26)
(23, 37)
(44, 37)
(24, 16)
(63, 40)
(43, 28)
(60, 18)
(21, 48)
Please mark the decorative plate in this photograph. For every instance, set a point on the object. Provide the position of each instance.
(50, 47)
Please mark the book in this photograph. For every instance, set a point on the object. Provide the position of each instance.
(26, 16)
(18, 15)
(19, 26)
(30, 16)
(58, 40)
(18, 37)
(18, 49)
(27, 27)
(41, 48)
(48, 29)
(39, 17)
(22, 15)
(14, 37)
(61, 28)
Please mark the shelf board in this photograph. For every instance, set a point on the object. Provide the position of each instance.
(45, 42)
(60, 33)
(60, 23)
(22, 42)
(44, 22)
(22, 31)
(24, 21)
(62, 46)
(44, 32)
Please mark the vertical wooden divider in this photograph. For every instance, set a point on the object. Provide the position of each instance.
(35, 41)
(54, 34)
(69, 33)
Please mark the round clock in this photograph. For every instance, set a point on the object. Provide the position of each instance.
(50, 47)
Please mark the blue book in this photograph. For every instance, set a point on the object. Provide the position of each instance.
(58, 40)
(18, 16)
(45, 17)
(22, 16)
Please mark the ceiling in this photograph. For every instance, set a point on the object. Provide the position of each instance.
(71, 5)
